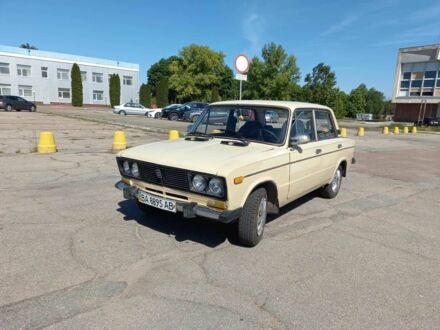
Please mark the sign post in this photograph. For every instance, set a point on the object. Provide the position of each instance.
(241, 63)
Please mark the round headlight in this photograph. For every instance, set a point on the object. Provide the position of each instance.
(135, 170)
(199, 183)
(126, 167)
(216, 187)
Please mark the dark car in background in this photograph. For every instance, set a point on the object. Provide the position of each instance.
(176, 113)
(428, 121)
(11, 102)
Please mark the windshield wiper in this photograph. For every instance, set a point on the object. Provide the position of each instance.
(198, 135)
(243, 140)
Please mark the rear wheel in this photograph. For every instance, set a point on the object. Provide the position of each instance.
(8, 107)
(157, 115)
(33, 109)
(332, 189)
(122, 113)
(173, 116)
(253, 218)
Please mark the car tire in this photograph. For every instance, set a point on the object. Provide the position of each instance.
(8, 107)
(253, 218)
(157, 115)
(194, 119)
(18, 110)
(331, 190)
(122, 113)
(33, 109)
(173, 116)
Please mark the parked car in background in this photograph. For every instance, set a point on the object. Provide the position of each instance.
(271, 117)
(154, 113)
(131, 108)
(11, 102)
(241, 170)
(192, 115)
(166, 110)
(177, 113)
(428, 121)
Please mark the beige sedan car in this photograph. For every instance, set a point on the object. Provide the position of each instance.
(240, 168)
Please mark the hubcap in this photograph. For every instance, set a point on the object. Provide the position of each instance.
(262, 214)
(336, 180)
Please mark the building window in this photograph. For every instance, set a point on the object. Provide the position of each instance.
(128, 80)
(25, 91)
(23, 70)
(4, 68)
(63, 74)
(83, 75)
(98, 95)
(97, 77)
(406, 75)
(64, 93)
(5, 89)
(44, 72)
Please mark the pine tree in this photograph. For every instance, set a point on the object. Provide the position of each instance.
(162, 93)
(76, 86)
(115, 89)
(145, 95)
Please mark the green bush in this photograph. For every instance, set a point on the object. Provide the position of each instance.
(115, 89)
(76, 86)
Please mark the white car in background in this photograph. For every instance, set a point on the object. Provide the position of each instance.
(154, 113)
(131, 108)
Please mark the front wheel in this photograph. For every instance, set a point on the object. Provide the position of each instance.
(253, 218)
(173, 116)
(331, 190)
(122, 113)
(33, 109)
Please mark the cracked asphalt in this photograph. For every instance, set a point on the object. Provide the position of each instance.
(74, 254)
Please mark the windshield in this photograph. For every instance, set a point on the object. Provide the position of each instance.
(254, 124)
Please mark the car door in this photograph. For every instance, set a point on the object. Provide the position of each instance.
(329, 143)
(23, 104)
(128, 107)
(13, 101)
(305, 161)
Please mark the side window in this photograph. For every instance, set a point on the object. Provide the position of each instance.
(303, 124)
(324, 125)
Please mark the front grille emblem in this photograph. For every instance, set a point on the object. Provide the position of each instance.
(158, 173)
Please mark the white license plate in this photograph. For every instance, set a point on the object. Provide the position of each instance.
(158, 202)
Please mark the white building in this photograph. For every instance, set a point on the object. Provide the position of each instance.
(44, 77)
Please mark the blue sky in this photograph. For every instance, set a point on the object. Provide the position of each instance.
(358, 39)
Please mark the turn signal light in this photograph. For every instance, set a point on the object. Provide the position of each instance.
(238, 179)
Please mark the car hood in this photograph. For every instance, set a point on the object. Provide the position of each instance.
(210, 156)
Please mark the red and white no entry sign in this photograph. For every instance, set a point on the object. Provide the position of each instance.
(242, 63)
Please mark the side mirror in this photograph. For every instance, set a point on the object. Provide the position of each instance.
(189, 128)
(299, 139)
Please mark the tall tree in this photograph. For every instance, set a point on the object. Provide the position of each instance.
(320, 85)
(375, 102)
(28, 46)
(215, 94)
(115, 89)
(275, 77)
(162, 93)
(158, 70)
(339, 103)
(357, 101)
(197, 71)
(76, 86)
(145, 95)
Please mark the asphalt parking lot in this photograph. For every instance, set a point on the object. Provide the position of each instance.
(74, 254)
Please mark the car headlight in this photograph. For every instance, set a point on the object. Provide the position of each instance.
(135, 170)
(216, 187)
(126, 167)
(199, 183)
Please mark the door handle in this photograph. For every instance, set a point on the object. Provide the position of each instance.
(318, 151)
(339, 146)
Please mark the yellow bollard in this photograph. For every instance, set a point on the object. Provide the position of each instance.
(343, 132)
(385, 130)
(173, 135)
(396, 130)
(119, 141)
(414, 130)
(361, 131)
(405, 130)
(46, 145)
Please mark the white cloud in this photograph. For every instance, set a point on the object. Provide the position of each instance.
(346, 22)
(252, 27)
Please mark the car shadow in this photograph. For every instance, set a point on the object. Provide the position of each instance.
(199, 230)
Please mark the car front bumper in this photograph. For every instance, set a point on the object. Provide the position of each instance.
(188, 210)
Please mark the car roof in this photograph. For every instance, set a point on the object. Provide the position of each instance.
(292, 105)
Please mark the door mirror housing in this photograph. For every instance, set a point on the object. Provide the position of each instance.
(299, 139)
